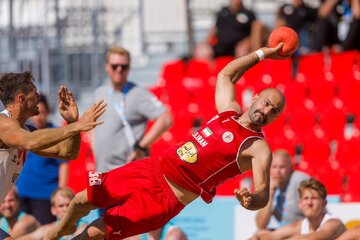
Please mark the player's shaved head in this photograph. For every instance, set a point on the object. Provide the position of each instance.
(275, 93)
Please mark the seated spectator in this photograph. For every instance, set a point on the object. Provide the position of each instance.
(45, 173)
(338, 25)
(351, 234)
(60, 199)
(169, 231)
(282, 207)
(237, 32)
(298, 16)
(13, 221)
(318, 223)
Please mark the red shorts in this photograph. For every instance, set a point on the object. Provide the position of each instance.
(143, 199)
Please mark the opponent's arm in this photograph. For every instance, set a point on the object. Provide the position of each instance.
(225, 97)
(13, 135)
(69, 149)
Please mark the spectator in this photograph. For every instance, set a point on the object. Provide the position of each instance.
(282, 207)
(237, 32)
(60, 199)
(13, 221)
(169, 231)
(43, 172)
(351, 234)
(298, 16)
(121, 139)
(318, 223)
(338, 25)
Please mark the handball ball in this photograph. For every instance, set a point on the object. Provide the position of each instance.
(286, 35)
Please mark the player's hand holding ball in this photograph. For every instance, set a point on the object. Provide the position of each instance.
(287, 36)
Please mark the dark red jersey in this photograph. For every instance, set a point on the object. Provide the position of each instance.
(209, 157)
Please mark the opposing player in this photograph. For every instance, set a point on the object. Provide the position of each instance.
(20, 98)
(147, 193)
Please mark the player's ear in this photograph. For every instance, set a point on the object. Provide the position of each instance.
(20, 97)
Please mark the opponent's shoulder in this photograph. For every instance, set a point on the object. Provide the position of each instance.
(7, 122)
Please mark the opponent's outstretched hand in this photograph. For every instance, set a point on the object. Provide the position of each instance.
(273, 53)
(89, 119)
(244, 197)
(67, 106)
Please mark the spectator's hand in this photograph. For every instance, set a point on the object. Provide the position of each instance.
(89, 119)
(273, 53)
(243, 195)
(67, 106)
(274, 184)
(135, 155)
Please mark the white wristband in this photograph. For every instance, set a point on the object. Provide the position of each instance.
(260, 54)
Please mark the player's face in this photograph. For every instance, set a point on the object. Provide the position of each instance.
(117, 68)
(61, 203)
(312, 204)
(40, 121)
(265, 109)
(10, 206)
(31, 102)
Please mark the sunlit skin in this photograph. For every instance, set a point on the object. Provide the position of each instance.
(31, 102)
(312, 204)
(118, 76)
(266, 107)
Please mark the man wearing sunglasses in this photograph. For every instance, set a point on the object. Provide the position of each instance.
(121, 139)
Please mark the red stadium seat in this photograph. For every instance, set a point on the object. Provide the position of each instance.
(332, 179)
(347, 154)
(315, 154)
(352, 193)
(332, 120)
(281, 72)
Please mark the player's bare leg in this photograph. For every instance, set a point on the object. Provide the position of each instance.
(78, 208)
(94, 231)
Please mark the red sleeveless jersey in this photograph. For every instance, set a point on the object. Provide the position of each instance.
(209, 157)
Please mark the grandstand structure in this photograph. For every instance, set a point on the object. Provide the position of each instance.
(63, 42)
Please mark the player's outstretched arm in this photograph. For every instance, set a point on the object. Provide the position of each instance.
(225, 97)
(13, 135)
(69, 148)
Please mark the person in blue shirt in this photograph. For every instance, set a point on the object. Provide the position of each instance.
(45, 173)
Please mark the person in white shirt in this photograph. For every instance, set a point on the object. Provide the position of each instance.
(318, 223)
